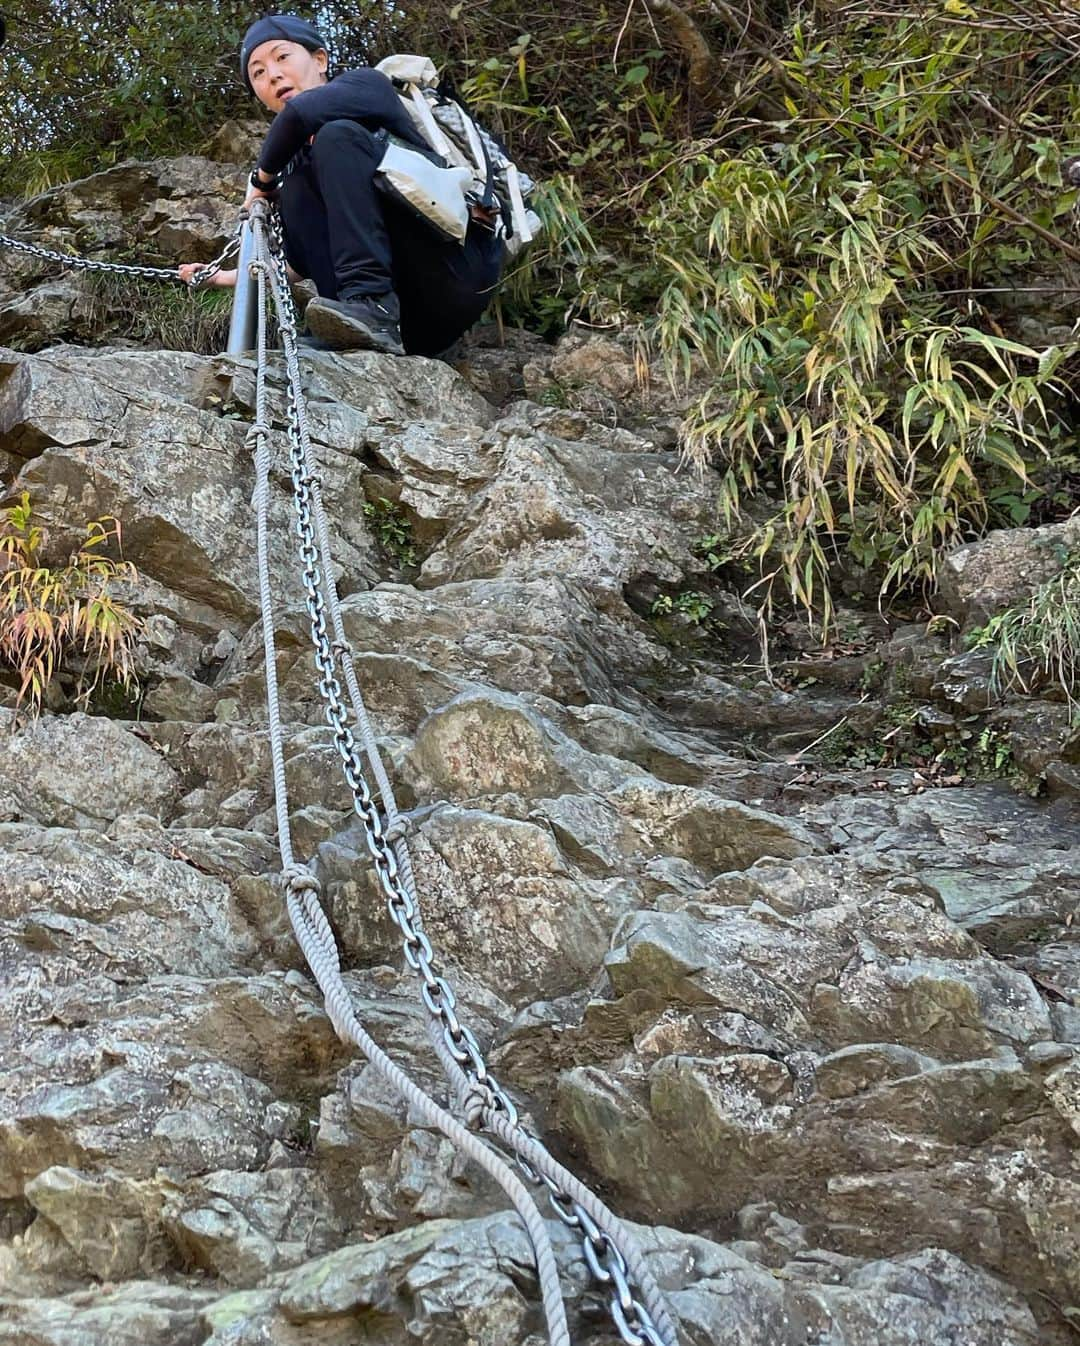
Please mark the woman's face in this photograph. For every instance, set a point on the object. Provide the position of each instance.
(279, 70)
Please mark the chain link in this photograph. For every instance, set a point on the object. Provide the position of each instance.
(608, 1266)
(277, 251)
(122, 268)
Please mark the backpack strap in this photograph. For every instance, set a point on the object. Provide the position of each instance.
(433, 130)
(417, 81)
(479, 150)
(522, 229)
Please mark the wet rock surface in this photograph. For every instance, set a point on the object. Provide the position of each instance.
(817, 1029)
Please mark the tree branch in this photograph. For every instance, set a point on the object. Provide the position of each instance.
(688, 37)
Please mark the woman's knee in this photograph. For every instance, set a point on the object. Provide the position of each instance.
(343, 137)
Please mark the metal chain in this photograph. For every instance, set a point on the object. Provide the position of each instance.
(277, 251)
(608, 1268)
(607, 1264)
(436, 992)
(122, 268)
(312, 929)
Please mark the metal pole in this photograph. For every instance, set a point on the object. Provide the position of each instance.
(244, 314)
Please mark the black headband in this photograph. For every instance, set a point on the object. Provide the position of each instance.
(283, 27)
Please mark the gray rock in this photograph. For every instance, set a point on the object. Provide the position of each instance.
(985, 577)
(111, 1223)
(433, 471)
(424, 1265)
(510, 910)
(738, 960)
(975, 850)
(136, 1314)
(573, 509)
(182, 202)
(966, 682)
(712, 833)
(835, 1022)
(950, 1009)
(853, 1070)
(349, 392)
(78, 899)
(184, 208)
(235, 142)
(609, 378)
(484, 743)
(239, 1227)
(191, 529)
(54, 771)
(191, 1118)
(416, 650)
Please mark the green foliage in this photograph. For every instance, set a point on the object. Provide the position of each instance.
(1038, 642)
(392, 530)
(89, 85)
(50, 614)
(969, 750)
(86, 85)
(818, 262)
(695, 607)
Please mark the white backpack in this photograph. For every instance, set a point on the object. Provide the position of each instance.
(479, 171)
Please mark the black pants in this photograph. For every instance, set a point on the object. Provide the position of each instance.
(350, 239)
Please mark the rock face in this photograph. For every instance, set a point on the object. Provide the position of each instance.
(163, 211)
(824, 1047)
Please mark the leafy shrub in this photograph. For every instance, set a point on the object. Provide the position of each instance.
(828, 250)
(824, 283)
(392, 530)
(88, 85)
(1038, 642)
(694, 606)
(48, 615)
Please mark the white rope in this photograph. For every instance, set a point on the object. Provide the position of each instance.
(305, 911)
(525, 1146)
(478, 1112)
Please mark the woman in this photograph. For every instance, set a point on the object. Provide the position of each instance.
(385, 279)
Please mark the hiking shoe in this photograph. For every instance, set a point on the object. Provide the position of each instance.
(368, 323)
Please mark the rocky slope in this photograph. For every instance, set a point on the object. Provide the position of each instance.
(817, 1034)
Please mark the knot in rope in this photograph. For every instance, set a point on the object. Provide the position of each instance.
(397, 828)
(257, 430)
(482, 1101)
(475, 1100)
(299, 879)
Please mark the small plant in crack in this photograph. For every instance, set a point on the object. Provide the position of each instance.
(695, 607)
(54, 616)
(392, 530)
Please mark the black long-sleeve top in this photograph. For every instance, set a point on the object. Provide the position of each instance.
(365, 96)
